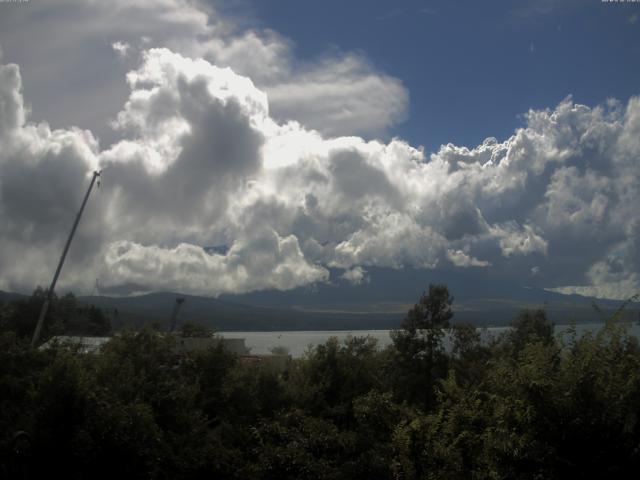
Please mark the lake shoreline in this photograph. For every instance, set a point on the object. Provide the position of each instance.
(297, 342)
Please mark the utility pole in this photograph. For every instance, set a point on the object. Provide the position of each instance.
(49, 293)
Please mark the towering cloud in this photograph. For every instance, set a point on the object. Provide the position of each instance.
(206, 192)
(231, 165)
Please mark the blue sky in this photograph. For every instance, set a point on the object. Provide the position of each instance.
(472, 67)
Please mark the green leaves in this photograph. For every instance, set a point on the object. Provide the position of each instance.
(525, 405)
(419, 357)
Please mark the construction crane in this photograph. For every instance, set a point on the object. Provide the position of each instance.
(49, 293)
(174, 314)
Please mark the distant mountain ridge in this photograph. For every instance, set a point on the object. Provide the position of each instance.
(380, 303)
(225, 315)
(476, 299)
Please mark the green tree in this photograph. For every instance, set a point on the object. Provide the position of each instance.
(65, 316)
(469, 355)
(419, 359)
(20, 316)
(192, 329)
(336, 373)
(531, 326)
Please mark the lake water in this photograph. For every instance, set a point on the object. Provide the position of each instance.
(297, 342)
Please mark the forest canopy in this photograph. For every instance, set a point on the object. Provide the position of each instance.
(526, 404)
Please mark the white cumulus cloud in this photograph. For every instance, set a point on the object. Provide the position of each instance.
(205, 191)
(356, 275)
(338, 93)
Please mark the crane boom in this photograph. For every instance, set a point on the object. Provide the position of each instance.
(174, 314)
(49, 293)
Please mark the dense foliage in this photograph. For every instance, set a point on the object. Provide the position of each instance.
(524, 405)
(65, 316)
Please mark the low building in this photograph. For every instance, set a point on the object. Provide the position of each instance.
(183, 344)
(279, 362)
(83, 344)
(195, 344)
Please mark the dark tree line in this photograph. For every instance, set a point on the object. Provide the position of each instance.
(524, 405)
(65, 316)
